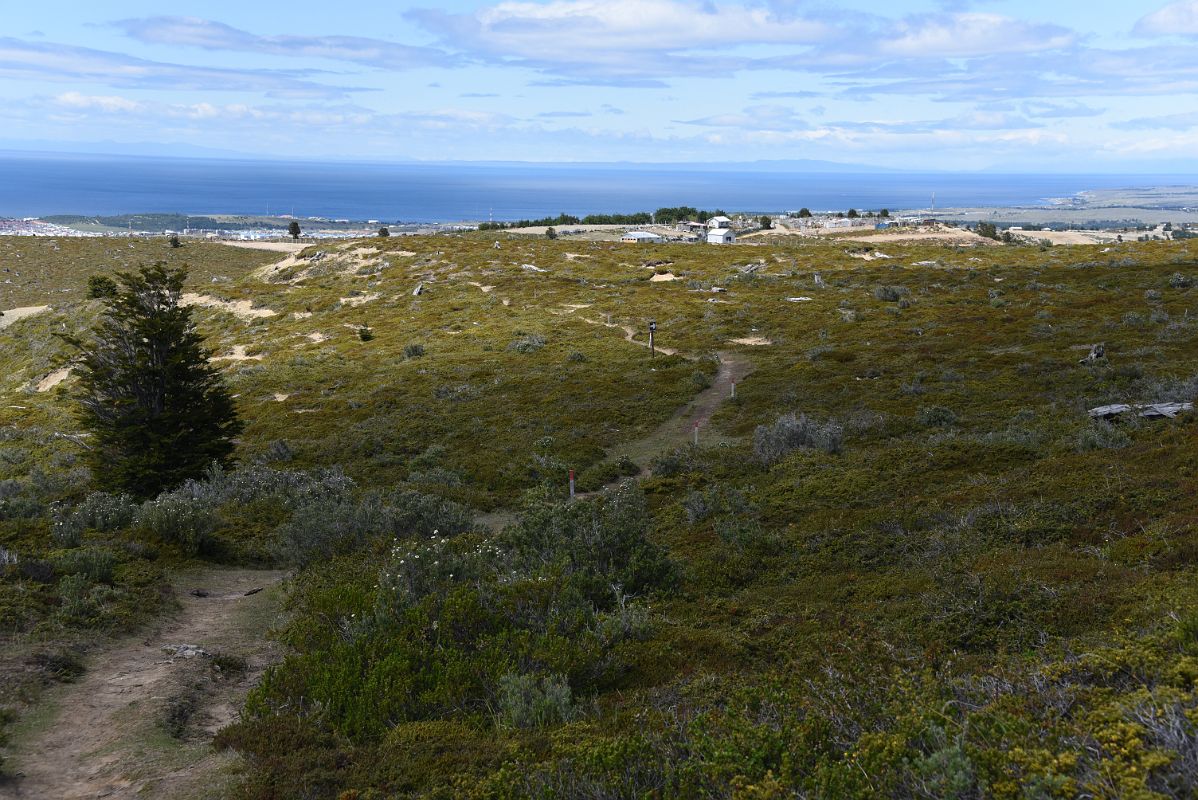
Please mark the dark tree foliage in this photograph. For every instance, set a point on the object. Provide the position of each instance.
(853, 213)
(765, 222)
(158, 412)
(174, 241)
(294, 230)
(804, 213)
(384, 232)
(99, 286)
(987, 229)
(550, 233)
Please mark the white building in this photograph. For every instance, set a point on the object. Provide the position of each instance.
(641, 237)
(716, 223)
(721, 236)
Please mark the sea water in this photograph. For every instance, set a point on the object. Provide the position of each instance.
(43, 185)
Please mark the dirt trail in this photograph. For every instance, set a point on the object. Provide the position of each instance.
(679, 429)
(630, 334)
(107, 734)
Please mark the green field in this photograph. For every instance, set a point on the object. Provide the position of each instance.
(939, 579)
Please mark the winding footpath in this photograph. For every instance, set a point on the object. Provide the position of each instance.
(104, 736)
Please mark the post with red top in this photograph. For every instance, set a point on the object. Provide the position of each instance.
(571, 484)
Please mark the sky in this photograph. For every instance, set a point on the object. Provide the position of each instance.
(1010, 85)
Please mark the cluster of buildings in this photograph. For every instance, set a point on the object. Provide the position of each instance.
(35, 227)
(717, 230)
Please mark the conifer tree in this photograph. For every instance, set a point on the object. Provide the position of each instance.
(157, 411)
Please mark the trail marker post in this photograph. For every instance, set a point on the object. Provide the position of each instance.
(571, 484)
(652, 330)
(734, 389)
(696, 434)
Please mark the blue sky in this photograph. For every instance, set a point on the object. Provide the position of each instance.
(1057, 85)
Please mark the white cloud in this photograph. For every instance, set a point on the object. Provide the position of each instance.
(971, 35)
(629, 41)
(107, 103)
(1175, 19)
(212, 35)
(47, 61)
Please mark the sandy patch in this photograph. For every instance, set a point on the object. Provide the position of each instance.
(752, 341)
(300, 314)
(486, 289)
(507, 302)
(280, 397)
(14, 314)
(663, 277)
(361, 299)
(798, 299)
(869, 256)
(533, 268)
(53, 379)
(278, 247)
(317, 337)
(576, 256)
(242, 309)
(238, 354)
(951, 236)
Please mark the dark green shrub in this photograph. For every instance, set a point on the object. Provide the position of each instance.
(534, 701)
(937, 417)
(101, 286)
(94, 563)
(528, 343)
(413, 350)
(179, 520)
(771, 443)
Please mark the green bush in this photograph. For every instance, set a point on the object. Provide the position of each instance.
(937, 417)
(96, 564)
(322, 529)
(534, 701)
(179, 520)
(528, 343)
(771, 443)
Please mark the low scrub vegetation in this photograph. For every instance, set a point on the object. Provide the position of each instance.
(902, 562)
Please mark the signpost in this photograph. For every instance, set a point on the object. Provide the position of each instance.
(571, 484)
(652, 330)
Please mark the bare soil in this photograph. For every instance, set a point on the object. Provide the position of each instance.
(140, 721)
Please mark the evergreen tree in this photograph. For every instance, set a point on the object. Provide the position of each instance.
(384, 232)
(294, 230)
(158, 412)
(804, 213)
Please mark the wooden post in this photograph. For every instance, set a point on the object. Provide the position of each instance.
(696, 434)
(571, 484)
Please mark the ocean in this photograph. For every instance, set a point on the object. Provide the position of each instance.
(37, 185)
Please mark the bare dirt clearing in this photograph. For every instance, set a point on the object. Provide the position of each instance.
(14, 314)
(278, 247)
(139, 723)
(243, 309)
